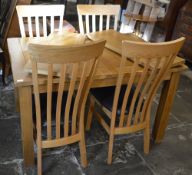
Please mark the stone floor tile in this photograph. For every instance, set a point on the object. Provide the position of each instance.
(173, 155)
(182, 110)
(10, 140)
(125, 159)
(184, 90)
(139, 169)
(61, 164)
(11, 168)
(58, 161)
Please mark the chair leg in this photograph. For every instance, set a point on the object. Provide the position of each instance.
(146, 140)
(17, 105)
(110, 149)
(83, 152)
(39, 161)
(90, 113)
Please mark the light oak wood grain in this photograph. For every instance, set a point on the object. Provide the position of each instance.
(110, 12)
(114, 43)
(106, 75)
(87, 55)
(37, 17)
(107, 68)
(145, 83)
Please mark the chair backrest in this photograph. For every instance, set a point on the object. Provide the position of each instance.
(91, 14)
(156, 60)
(77, 67)
(39, 18)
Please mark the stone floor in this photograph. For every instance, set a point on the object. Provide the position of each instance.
(172, 157)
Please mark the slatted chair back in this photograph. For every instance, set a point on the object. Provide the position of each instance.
(77, 67)
(90, 14)
(156, 60)
(39, 18)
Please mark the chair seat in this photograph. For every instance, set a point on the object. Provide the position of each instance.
(105, 97)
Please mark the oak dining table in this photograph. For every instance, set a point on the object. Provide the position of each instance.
(106, 75)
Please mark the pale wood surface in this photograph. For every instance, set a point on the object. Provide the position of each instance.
(106, 75)
(107, 70)
(94, 11)
(25, 101)
(146, 85)
(114, 39)
(114, 42)
(85, 55)
(39, 15)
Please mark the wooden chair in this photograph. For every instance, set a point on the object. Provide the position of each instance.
(77, 67)
(99, 11)
(128, 105)
(36, 18)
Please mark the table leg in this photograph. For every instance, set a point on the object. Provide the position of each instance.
(164, 108)
(17, 107)
(25, 101)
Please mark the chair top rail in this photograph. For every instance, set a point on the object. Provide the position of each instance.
(40, 10)
(98, 9)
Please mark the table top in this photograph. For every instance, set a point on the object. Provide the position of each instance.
(107, 70)
(114, 42)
